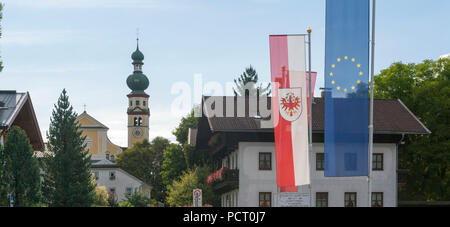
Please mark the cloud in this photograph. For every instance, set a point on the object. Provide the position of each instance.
(39, 37)
(46, 4)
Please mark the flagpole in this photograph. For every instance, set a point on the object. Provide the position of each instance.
(309, 30)
(372, 81)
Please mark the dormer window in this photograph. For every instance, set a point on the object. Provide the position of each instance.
(131, 103)
(137, 103)
(144, 103)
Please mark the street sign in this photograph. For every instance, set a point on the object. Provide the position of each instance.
(197, 198)
(11, 200)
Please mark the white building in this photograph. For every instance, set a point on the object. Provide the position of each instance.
(117, 181)
(247, 152)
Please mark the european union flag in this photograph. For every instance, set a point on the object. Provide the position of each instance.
(346, 82)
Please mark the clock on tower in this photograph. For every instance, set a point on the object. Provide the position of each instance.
(138, 109)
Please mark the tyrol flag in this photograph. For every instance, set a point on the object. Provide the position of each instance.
(346, 84)
(289, 105)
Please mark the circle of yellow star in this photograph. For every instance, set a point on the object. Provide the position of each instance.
(339, 60)
(333, 66)
(331, 74)
(333, 82)
(339, 88)
(346, 57)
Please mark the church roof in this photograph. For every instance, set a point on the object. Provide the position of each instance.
(93, 123)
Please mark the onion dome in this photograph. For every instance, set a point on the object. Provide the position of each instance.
(137, 56)
(138, 83)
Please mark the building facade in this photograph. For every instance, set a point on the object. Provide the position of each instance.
(117, 181)
(97, 142)
(244, 152)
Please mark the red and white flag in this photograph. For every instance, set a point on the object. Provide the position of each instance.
(289, 105)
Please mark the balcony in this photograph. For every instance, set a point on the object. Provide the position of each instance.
(224, 180)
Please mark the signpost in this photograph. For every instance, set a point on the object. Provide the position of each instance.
(197, 198)
(11, 200)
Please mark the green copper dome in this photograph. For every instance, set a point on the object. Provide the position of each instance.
(138, 83)
(137, 56)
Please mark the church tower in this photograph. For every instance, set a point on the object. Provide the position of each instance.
(138, 106)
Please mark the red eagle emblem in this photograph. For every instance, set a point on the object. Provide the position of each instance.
(291, 104)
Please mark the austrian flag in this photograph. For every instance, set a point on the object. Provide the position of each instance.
(289, 102)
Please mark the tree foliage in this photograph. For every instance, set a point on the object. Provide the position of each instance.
(246, 84)
(182, 131)
(137, 199)
(67, 178)
(174, 164)
(144, 160)
(101, 197)
(180, 192)
(425, 89)
(20, 174)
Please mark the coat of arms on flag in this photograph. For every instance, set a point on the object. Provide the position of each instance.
(290, 101)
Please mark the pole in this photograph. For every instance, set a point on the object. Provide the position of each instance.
(310, 115)
(372, 81)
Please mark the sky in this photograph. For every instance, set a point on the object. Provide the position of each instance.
(85, 47)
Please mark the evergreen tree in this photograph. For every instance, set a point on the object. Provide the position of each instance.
(67, 179)
(3, 182)
(246, 84)
(20, 174)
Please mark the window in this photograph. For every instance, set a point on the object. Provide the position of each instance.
(320, 161)
(144, 103)
(131, 103)
(265, 161)
(135, 121)
(137, 103)
(129, 191)
(112, 158)
(322, 199)
(377, 162)
(265, 199)
(107, 156)
(140, 121)
(377, 199)
(96, 175)
(350, 199)
(112, 175)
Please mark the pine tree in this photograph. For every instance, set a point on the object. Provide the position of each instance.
(67, 179)
(3, 182)
(20, 175)
(246, 84)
